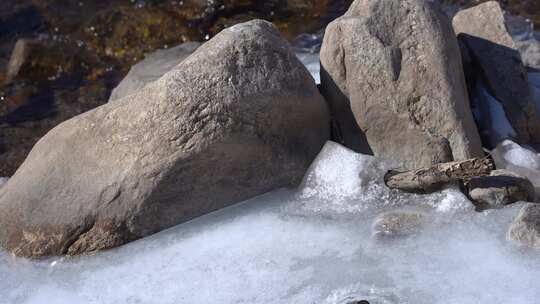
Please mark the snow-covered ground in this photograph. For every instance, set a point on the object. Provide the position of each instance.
(310, 245)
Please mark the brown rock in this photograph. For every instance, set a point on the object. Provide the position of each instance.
(391, 72)
(240, 117)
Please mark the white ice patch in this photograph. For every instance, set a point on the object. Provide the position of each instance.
(523, 161)
(311, 61)
(277, 249)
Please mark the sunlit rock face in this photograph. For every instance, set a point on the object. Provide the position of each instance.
(238, 118)
(314, 244)
(391, 73)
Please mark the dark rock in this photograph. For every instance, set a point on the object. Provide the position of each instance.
(392, 74)
(151, 68)
(498, 64)
(525, 230)
(239, 117)
(499, 189)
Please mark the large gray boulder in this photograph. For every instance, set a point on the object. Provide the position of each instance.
(239, 117)
(525, 230)
(498, 64)
(151, 68)
(392, 74)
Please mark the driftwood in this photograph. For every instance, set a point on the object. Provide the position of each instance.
(433, 178)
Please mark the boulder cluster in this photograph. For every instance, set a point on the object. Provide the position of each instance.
(199, 127)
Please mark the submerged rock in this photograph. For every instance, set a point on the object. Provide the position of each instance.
(525, 230)
(392, 74)
(152, 67)
(240, 117)
(498, 66)
(398, 223)
(499, 189)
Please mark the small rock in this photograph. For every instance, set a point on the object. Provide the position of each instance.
(398, 223)
(151, 68)
(499, 189)
(525, 230)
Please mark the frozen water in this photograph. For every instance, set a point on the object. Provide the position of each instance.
(307, 48)
(521, 160)
(311, 245)
(312, 63)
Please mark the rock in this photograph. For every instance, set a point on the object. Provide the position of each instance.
(525, 230)
(398, 223)
(152, 67)
(239, 117)
(530, 53)
(498, 64)
(3, 181)
(392, 74)
(499, 189)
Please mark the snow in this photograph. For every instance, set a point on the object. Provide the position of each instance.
(313, 244)
(520, 160)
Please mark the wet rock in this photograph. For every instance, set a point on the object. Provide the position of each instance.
(398, 223)
(525, 230)
(499, 189)
(151, 68)
(498, 64)
(238, 118)
(392, 74)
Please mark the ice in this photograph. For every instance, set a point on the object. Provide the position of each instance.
(307, 48)
(311, 61)
(309, 245)
(520, 160)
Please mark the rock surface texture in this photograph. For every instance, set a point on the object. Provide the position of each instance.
(499, 67)
(525, 229)
(238, 118)
(499, 189)
(151, 68)
(392, 74)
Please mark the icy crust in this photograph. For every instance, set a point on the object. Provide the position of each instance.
(311, 245)
(341, 182)
(520, 160)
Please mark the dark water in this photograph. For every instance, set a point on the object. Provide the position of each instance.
(75, 52)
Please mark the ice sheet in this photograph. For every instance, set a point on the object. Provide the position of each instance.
(309, 245)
